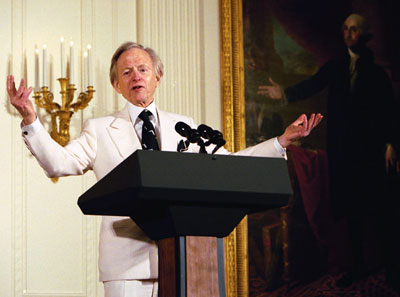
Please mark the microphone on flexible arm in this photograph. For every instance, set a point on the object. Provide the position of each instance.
(192, 135)
(196, 136)
(213, 136)
(205, 131)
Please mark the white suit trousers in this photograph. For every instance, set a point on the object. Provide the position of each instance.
(131, 288)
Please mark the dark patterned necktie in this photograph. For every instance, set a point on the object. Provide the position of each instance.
(149, 138)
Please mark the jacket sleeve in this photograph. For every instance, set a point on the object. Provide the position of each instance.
(312, 85)
(74, 159)
(267, 148)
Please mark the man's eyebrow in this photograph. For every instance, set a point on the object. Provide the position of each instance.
(131, 66)
(350, 27)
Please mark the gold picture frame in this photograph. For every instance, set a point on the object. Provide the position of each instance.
(233, 116)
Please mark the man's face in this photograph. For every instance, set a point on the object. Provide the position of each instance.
(351, 32)
(136, 80)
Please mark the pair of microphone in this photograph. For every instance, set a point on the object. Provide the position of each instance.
(202, 132)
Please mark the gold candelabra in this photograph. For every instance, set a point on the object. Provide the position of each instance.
(61, 114)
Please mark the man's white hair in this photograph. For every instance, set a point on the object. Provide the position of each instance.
(361, 21)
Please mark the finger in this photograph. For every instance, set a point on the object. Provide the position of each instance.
(305, 123)
(311, 122)
(272, 82)
(10, 83)
(9, 78)
(261, 92)
(299, 127)
(21, 87)
(27, 92)
(318, 120)
(300, 120)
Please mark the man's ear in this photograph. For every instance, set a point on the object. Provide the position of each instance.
(158, 78)
(116, 86)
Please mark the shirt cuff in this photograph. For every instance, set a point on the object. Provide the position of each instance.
(281, 150)
(30, 130)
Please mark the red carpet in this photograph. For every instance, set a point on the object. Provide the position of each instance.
(372, 286)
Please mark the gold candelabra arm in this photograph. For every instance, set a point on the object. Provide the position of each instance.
(39, 101)
(70, 95)
(44, 99)
(83, 99)
(61, 114)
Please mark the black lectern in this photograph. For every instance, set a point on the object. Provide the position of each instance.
(170, 195)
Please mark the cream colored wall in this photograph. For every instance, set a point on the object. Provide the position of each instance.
(48, 247)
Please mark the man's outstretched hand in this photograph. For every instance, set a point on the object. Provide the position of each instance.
(272, 91)
(300, 128)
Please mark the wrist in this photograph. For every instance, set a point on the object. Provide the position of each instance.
(27, 120)
(283, 141)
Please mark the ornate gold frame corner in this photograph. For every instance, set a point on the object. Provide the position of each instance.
(233, 116)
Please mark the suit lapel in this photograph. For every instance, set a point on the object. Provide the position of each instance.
(123, 134)
(169, 137)
(126, 140)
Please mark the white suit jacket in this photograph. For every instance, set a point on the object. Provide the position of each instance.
(125, 252)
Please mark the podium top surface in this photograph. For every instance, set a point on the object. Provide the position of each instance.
(190, 179)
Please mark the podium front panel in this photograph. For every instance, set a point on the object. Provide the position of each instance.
(189, 194)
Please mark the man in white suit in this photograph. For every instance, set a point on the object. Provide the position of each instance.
(128, 259)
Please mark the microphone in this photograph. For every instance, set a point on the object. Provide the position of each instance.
(185, 130)
(213, 136)
(205, 131)
(196, 136)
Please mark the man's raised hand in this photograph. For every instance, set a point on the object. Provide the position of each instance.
(300, 128)
(20, 99)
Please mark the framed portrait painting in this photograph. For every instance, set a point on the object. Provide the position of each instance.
(283, 43)
(264, 43)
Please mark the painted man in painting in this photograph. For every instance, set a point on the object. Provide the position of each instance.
(361, 131)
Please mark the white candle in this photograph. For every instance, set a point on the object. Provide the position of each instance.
(89, 63)
(71, 63)
(85, 71)
(62, 58)
(37, 83)
(44, 66)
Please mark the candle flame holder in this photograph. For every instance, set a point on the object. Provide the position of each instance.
(61, 114)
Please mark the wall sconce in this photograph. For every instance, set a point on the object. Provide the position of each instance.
(61, 114)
